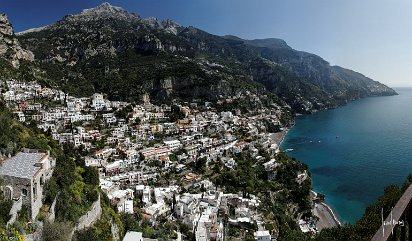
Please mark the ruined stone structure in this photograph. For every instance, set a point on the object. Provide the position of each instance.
(24, 176)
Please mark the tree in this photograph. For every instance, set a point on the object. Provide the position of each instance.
(91, 175)
(50, 190)
(137, 121)
(200, 165)
(141, 156)
(172, 158)
(5, 206)
(64, 171)
(176, 113)
(57, 231)
(130, 222)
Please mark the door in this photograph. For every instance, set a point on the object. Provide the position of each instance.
(8, 192)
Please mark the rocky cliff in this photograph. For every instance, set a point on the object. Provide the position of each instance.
(10, 48)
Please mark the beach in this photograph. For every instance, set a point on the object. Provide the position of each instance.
(327, 219)
(279, 136)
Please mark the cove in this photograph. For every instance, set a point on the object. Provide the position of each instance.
(355, 151)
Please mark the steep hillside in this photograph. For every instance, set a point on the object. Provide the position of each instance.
(107, 49)
(337, 81)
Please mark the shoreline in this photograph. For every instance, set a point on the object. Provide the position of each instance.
(326, 215)
(331, 212)
(285, 132)
(279, 137)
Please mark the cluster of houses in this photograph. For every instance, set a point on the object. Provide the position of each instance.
(205, 213)
(130, 156)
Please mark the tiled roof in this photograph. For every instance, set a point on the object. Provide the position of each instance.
(21, 165)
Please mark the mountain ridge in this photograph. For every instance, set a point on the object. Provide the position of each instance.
(107, 48)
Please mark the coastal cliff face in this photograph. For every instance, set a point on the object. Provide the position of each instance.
(10, 48)
(107, 49)
(337, 82)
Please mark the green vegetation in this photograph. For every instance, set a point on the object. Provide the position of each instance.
(76, 185)
(10, 235)
(14, 136)
(57, 231)
(271, 127)
(138, 223)
(176, 113)
(5, 206)
(370, 222)
(23, 224)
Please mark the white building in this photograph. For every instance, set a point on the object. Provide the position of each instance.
(173, 144)
(133, 236)
(262, 235)
(147, 194)
(20, 116)
(123, 200)
(98, 102)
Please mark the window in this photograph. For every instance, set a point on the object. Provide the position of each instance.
(34, 189)
(24, 192)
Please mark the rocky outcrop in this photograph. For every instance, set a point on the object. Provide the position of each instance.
(37, 235)
(115, 230)
(52, 211)
(10, 48)
(17, 205)
(105, 10)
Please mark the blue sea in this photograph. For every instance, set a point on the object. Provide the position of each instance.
(354, 151)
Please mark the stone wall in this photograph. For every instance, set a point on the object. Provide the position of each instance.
(32, 200)
(17, 205)
(17, 184)
(36, 236)
(36, 198)
(52, 210)
(90, 217)
(115, 230)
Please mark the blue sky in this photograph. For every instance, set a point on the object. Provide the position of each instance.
(373, 37)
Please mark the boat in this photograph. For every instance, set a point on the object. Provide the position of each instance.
(288, 150)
